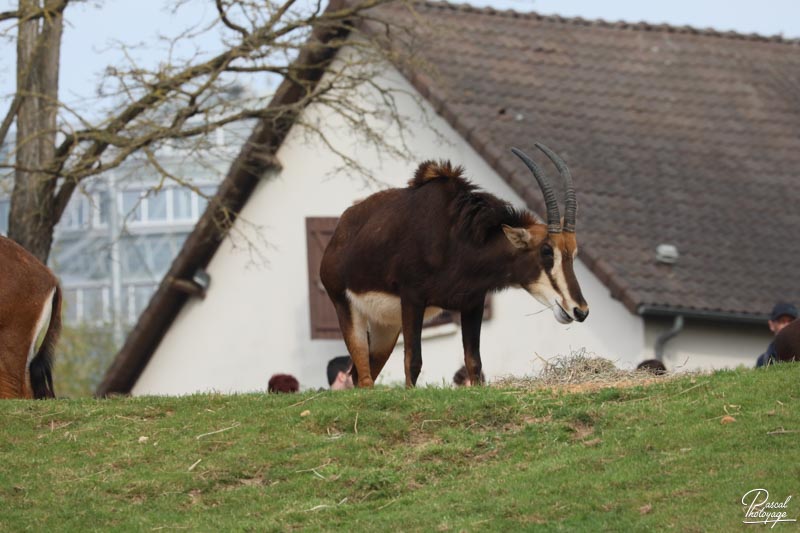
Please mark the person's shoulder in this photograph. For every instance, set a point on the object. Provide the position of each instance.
(767, 357)
(770, 349)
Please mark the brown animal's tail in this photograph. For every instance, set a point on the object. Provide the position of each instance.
(41, 366)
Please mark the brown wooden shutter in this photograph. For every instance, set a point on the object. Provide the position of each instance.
(324, 323)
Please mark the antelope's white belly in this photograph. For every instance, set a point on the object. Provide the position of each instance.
(383, 308)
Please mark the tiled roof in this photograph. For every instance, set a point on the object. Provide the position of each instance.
(673, 135)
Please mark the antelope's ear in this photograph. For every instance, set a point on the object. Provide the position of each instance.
(519, 237)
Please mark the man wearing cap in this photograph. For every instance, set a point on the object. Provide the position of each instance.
(782, 315)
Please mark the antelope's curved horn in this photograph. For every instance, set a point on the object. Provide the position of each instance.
(553, 217)
(570, 202)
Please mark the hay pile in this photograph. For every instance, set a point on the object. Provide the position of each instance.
(580, 371)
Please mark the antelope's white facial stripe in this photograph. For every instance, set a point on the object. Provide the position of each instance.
(554, 292)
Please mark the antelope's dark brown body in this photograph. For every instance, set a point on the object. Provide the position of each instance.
(401, 255)
(421, 243)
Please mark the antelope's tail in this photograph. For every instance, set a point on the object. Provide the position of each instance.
(41, 367)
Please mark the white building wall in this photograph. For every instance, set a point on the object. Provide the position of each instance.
(707, 346)
(254, 321)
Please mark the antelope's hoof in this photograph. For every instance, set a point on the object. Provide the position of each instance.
(365, 383)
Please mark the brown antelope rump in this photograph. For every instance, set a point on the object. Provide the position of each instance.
(30, 301)
(403, 255)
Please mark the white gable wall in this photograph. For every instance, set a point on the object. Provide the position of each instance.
(255, 319)
(703, 345)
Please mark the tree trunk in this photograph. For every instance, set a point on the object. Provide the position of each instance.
(32, 218)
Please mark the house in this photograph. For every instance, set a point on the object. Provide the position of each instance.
(684, 148)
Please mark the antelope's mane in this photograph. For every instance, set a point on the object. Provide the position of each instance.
(475, 214)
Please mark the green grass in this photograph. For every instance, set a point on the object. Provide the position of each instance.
(478, 459)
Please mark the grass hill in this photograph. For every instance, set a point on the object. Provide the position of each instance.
(678, 454)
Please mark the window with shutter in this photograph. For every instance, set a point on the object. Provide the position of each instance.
(324, 323)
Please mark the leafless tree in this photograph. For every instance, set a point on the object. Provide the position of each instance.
(179, 102)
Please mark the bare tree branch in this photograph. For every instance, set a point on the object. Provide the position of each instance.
(180, 102)
(8, 120)
(160, 91)
(46, 12)
(224, 17)
(6, 15)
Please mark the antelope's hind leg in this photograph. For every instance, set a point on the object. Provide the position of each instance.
(354, 330)
(16, 345)
(382, 340)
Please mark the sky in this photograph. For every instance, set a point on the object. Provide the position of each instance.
(91, 30)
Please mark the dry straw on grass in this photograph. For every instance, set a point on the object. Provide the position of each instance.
(581, 371)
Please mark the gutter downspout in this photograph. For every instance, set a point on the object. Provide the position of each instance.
(662, 339)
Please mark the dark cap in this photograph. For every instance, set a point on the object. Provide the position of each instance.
(783, 309)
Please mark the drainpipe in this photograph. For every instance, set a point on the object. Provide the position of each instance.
(662, 339)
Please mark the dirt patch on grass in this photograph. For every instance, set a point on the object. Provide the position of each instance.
(253, 481)
(526, 420)
(420, 439)
(421, 433)
(581, 430)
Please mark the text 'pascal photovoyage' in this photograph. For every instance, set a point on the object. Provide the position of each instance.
(760, 510)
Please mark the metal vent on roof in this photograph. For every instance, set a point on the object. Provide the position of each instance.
(667, 254)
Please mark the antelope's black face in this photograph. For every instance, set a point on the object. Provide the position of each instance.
(544, 266)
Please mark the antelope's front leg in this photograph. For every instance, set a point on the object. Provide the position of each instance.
(471, 320)
(413, 315)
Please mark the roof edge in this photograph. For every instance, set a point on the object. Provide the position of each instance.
(624, 25)
(654, 311)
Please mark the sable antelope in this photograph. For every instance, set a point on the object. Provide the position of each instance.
(403, 255)
(30, 300)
